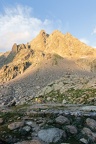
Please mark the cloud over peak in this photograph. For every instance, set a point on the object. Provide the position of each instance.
(17, 25)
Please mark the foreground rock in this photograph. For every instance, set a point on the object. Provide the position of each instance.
(47, 124)
(30, 142)
(90, 135)
(84, 141)
(51, 135)
(15, 125)
(91, 123)
(71, 129)
(62, 120)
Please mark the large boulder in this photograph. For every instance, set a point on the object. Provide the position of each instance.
(91, 123)
(90, 135)
(51, 135)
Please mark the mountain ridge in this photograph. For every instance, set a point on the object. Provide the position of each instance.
(43, 47)
(29, 68)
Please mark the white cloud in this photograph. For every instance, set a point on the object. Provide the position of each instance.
(84, 40)
(94, 31)
(17, 25)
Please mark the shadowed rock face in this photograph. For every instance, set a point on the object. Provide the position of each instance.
(15, 48)
(11, 71)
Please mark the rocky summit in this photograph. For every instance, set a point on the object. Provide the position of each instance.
(48, 91)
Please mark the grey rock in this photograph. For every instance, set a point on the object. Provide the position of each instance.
(84, 141)
(27, 128)
(91, 135)
(64, 101)
(71, 129)
(87, 131)
(48, 98)
(50, 135)
(30, 123)
(62, 120)
(91, 123)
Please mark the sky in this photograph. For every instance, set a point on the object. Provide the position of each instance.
(22, 20)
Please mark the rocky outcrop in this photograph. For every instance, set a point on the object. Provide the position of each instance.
(15, 48)
(6, 95)
(39, 43)
(11, 71)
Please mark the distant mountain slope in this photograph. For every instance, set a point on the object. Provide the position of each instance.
(69, 46)
(43, 47)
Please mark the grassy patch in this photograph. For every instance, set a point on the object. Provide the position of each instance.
(8, 118)
(71, 96)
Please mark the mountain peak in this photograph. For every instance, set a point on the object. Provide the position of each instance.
(42, 32)
(56, 32)
(68, 33)
(39, 42)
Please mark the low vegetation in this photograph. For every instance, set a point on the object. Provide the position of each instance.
(71, 96)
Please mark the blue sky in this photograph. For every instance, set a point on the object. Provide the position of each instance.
(21, 20)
